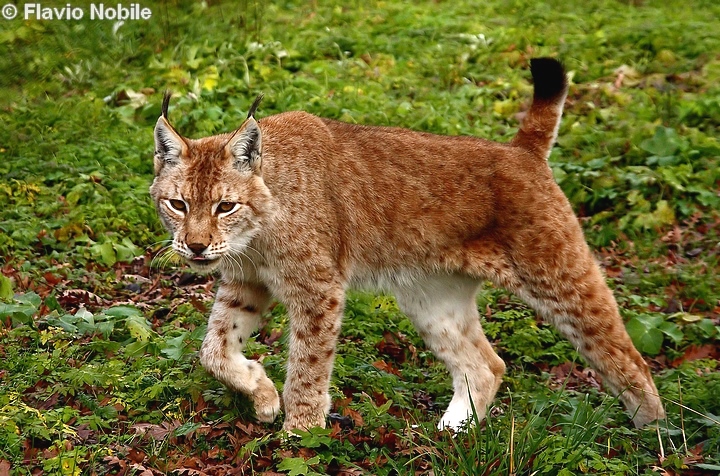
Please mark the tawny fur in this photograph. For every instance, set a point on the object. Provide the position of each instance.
(299, 208)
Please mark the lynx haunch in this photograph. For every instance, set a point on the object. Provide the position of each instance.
(299, 208)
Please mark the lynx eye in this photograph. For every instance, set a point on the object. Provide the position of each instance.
(225, 208)
(177, 205)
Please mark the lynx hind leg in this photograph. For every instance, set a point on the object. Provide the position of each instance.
(585, 312)
(235, 315)
(444, 311)
(554, 271)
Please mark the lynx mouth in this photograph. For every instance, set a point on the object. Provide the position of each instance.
(199, 263)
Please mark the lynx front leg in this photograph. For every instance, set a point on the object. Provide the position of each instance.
(235, 315)
(315, 321)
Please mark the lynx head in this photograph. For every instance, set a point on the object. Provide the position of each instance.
(209, 192)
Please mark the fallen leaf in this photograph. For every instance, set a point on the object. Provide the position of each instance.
(51, 279)
(697, 352)
(389, 347)
(136, 456)
(157, 432)
(198, 304)
(355, 415)
(385, 367)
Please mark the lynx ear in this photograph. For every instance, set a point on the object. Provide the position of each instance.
(169, 145)
(245, 147)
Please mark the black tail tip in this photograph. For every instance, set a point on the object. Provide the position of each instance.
(549, 77)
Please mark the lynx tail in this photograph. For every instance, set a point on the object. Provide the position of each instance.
(540, 126)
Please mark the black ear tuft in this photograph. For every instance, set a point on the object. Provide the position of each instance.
(166, 103)
(169, 144)
(255, 104)
(245, 146)
(549, 77)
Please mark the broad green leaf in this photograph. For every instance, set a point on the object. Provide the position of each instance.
(30, 298)
(315, 437)
(664, 143)
(650, 320)
(298, 466)
(105, 252)
(73, 197)
(103, 327)
(175, 348)
(597, 164)
(636, 200)
(66, 322)
(672, 330)
(10, 309)
(6, 290)
(89, 324)
(686, 317)
(138, 327)
(123, 311)
(662, 161)
(23, 308)
(709, 467)
(126, 250)
(707, 327)
(186, 428)
(675, 176)
(664, 213)
(85, 315)
(645, 334)
(135, 349)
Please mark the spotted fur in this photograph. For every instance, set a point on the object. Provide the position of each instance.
(299, 208)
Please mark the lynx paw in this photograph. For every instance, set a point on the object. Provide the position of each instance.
(303, 422)
(266, 401)
(456, 418)
(313, 416)
(649, 411)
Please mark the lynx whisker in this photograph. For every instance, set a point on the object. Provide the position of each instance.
(233, 265)
(160, 255)
(254, 250)
(160, 242)
(235, 249)
(162, 258)
(167, 243)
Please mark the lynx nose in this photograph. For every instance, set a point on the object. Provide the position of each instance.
(197, 248)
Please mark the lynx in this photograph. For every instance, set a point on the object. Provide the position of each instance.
(300, 208)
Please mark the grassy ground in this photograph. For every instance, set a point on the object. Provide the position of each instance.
(99, 373)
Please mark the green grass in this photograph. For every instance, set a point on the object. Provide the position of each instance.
(99, 370)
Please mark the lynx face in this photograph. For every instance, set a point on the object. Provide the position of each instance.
(209, 193)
